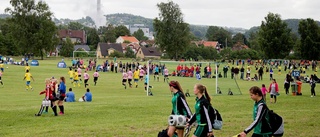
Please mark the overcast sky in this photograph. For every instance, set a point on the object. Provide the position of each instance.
(230, 13)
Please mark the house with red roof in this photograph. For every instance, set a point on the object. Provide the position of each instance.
(76, 36)
(131, 39)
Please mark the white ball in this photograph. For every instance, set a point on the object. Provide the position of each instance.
(7, 67)
(80, 100)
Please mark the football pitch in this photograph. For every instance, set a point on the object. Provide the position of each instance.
(119, 112)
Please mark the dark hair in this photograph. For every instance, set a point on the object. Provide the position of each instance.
(203, 89)
(63, 79)
(256, 90)
(263, 85)
(176, 85)
(88, 90)
(70, 89)
(274, 80)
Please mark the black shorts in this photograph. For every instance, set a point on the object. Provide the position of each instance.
(124, 80)
(95, 79)
(86, 80)
(165, 76)
(0, 78)
(61, 98)
(140, 77)
(129, 80)
(271, 96)
(145, 83)
(156, 73)
(79, 76)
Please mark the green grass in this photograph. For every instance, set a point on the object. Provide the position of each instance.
(116, 112)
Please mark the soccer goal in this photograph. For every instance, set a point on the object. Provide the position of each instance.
(215, 81)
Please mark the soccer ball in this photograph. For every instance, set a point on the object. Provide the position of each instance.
(80, 100)
(7, 67)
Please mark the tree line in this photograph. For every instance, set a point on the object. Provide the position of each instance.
(30, 29)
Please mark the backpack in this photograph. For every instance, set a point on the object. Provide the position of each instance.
(276, 123)
(215, 117)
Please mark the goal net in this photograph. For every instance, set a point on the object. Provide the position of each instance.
(185, 73)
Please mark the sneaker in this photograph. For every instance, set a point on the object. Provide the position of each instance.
(61, 113)
(311, 96)
(44, 112)
(125, 87)
(37, 115)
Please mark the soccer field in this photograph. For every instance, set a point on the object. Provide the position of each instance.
(119, 112)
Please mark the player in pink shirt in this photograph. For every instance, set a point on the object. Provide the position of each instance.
(86, 78)
(95, 77)
(166, 74)
(79, 73)
(124, 79)
(264, 91)
(141, 74)
(130, 75)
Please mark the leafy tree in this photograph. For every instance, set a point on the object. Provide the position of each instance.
(92, 37)
(253, 41)
(7, 45)
(139, 34)
(129, 53)
(67, 48)
(219, 34)
(108, 34)
(274, 37)
(239, 38)
(172, 34)
(31, 26)
(75, 26)
(310, 39)
(121, 31)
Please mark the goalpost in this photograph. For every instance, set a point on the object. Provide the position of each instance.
(222, 86)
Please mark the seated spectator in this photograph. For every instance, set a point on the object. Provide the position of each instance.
(88, 96)
(70, 97)
(174, 73)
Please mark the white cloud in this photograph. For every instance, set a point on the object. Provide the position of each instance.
(231, 13)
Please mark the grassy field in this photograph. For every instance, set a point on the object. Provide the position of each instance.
(119, 112)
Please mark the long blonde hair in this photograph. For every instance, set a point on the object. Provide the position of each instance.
(203, 90)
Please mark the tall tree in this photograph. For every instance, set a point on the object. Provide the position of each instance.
(75, 26)
(310, 39)
(107, 34)
(275, 37)
(172, 34)
(139, 34)
(129, 53)
(121, 31)
(93, 37)
(239, 38)
(219, 34)
(67, 48)
(31, 26)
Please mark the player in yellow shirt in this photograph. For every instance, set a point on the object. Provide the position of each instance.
(27, 67)
(75, 78)
(70, 73)
(279, 70)
(1, 67)
(136, 77)
(28, 78)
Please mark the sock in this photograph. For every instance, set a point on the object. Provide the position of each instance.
(95, 83)
(78, 84)
(27, 87)
(47, 108)
(54, 108)
(145, 88)
(61, 109)
(41, 109)
(1, 83)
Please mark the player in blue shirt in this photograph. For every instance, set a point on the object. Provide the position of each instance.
(70, 97)
(88, 96)
(156, 73)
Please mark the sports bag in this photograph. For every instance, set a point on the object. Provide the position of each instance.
(215, 117)
(276, 123)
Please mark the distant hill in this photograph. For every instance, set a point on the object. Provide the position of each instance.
(197, 30)
(129, 19)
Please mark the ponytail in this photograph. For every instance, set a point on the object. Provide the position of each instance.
(176, 85)
(206, 94)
